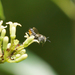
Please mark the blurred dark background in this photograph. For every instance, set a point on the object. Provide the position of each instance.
(50, 21)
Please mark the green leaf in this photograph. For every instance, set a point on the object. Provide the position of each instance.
(33, 65)
(1, 12)
(67, 6)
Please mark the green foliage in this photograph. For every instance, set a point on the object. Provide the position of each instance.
(1, 12)
(67, 6)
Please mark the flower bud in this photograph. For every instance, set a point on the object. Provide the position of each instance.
(16, 42)
(13, 32)
(22, 57)
(5, 42)
(22, 52)
(17, 55)
(1, 24)
(2, 34)
(28, 41)
(9, 44)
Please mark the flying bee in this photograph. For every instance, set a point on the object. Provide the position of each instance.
(41, 38)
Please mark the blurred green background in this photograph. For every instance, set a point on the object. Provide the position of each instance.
(54, 19)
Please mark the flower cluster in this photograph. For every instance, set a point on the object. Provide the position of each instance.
(13, 52)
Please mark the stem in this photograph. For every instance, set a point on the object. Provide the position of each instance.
(11, 50)
(0, 50)
(19, 48)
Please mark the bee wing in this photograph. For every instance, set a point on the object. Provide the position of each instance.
(35, 30)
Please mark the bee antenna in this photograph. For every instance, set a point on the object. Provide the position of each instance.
(48, 40)
(47, 37)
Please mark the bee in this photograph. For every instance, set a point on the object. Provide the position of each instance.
(41, 38)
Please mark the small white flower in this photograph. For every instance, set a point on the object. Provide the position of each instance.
(34, 40)
(1, 22)
(26, 36)
(1, 26)
(13, 24)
